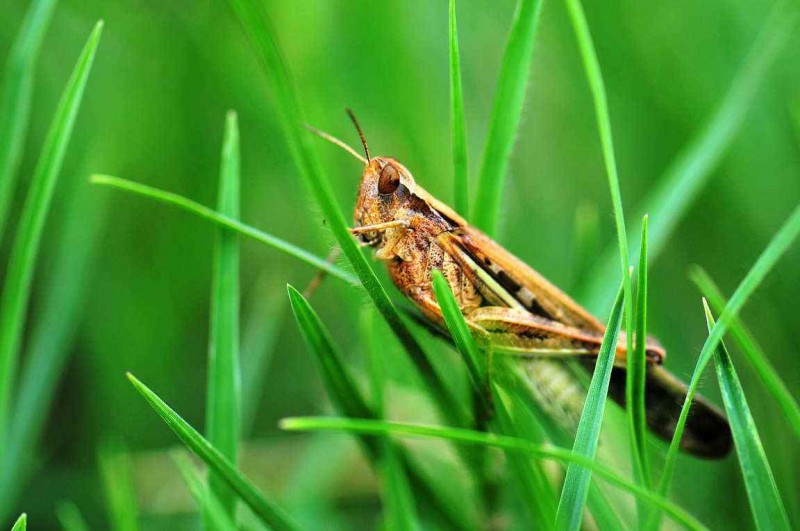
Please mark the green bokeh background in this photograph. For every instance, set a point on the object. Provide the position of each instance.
(166, 73)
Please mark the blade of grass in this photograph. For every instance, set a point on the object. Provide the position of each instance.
(458, 126)
(576, 483)
(764, 264)
(509, 98)
(339, 383)
(225, 221)
(398, 500)
(374, 427)
(217, 516)
(115, 469)
(594, 77)
(529, 477)
(19, 276)
(258, 29)
(15, 99)
(765, 501)
(21, 524)
(223, 409)
(752, 350)
(51, 338)
(635, 382)
(267, 511)
(459, 332)
(690, 170)
(347, 398)
(70, 517)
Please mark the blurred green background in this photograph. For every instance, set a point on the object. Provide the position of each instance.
(123, 283)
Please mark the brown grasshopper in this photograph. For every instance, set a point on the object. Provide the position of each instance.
(505, 300)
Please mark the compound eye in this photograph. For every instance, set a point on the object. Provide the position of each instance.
(389, 180)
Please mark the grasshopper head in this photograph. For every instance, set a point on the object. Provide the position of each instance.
(385, 189)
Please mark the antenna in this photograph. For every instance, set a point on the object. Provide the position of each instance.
(360, 132)
(333, 140)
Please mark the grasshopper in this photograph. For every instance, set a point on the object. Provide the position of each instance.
(508, 306)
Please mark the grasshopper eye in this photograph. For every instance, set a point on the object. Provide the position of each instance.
(388, 181)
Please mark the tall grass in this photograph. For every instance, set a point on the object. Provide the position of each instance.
(768, 510)
(224, 408)
(480, 405)
(686, 175)
(16, 96)
(509, 98)
(25, 249)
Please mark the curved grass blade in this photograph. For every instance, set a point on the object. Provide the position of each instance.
(529, 477)
(267, 511)
(348, 400)
(398, 500)
(70, 517)
(216, 514)
(51, 337)
(374, 427)
(116, 471)
(458, 126)
(576, 483)
(594, 77)
(21, 524)
(292, 116)
(339, 384)
(223, 397)
(752, 350)
(765, 262)
(684, 178)
(635, 382)
(506, 113)
(459, 331)
(765, 501)
(19, 276)
(15, 99)
(225, 221)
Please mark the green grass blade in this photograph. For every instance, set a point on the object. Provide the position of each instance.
(223, 406)
(594, 77)
(21, 524)
(225, 221)
(637, 371)
(217, 516)
(117, 474)
(458, 125)
(462, 436)
(398, 500)
(70, 517)
(765, 501)
(506, 114)
(347, 398)
(52, 335)
(339, 384)
(690, 170)
(267, 511)
(766, 261)
(19, 276)
(292, 116)
(576, 483)
(399, 507)
(459, 331)
(753, 351)
(16, 95)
